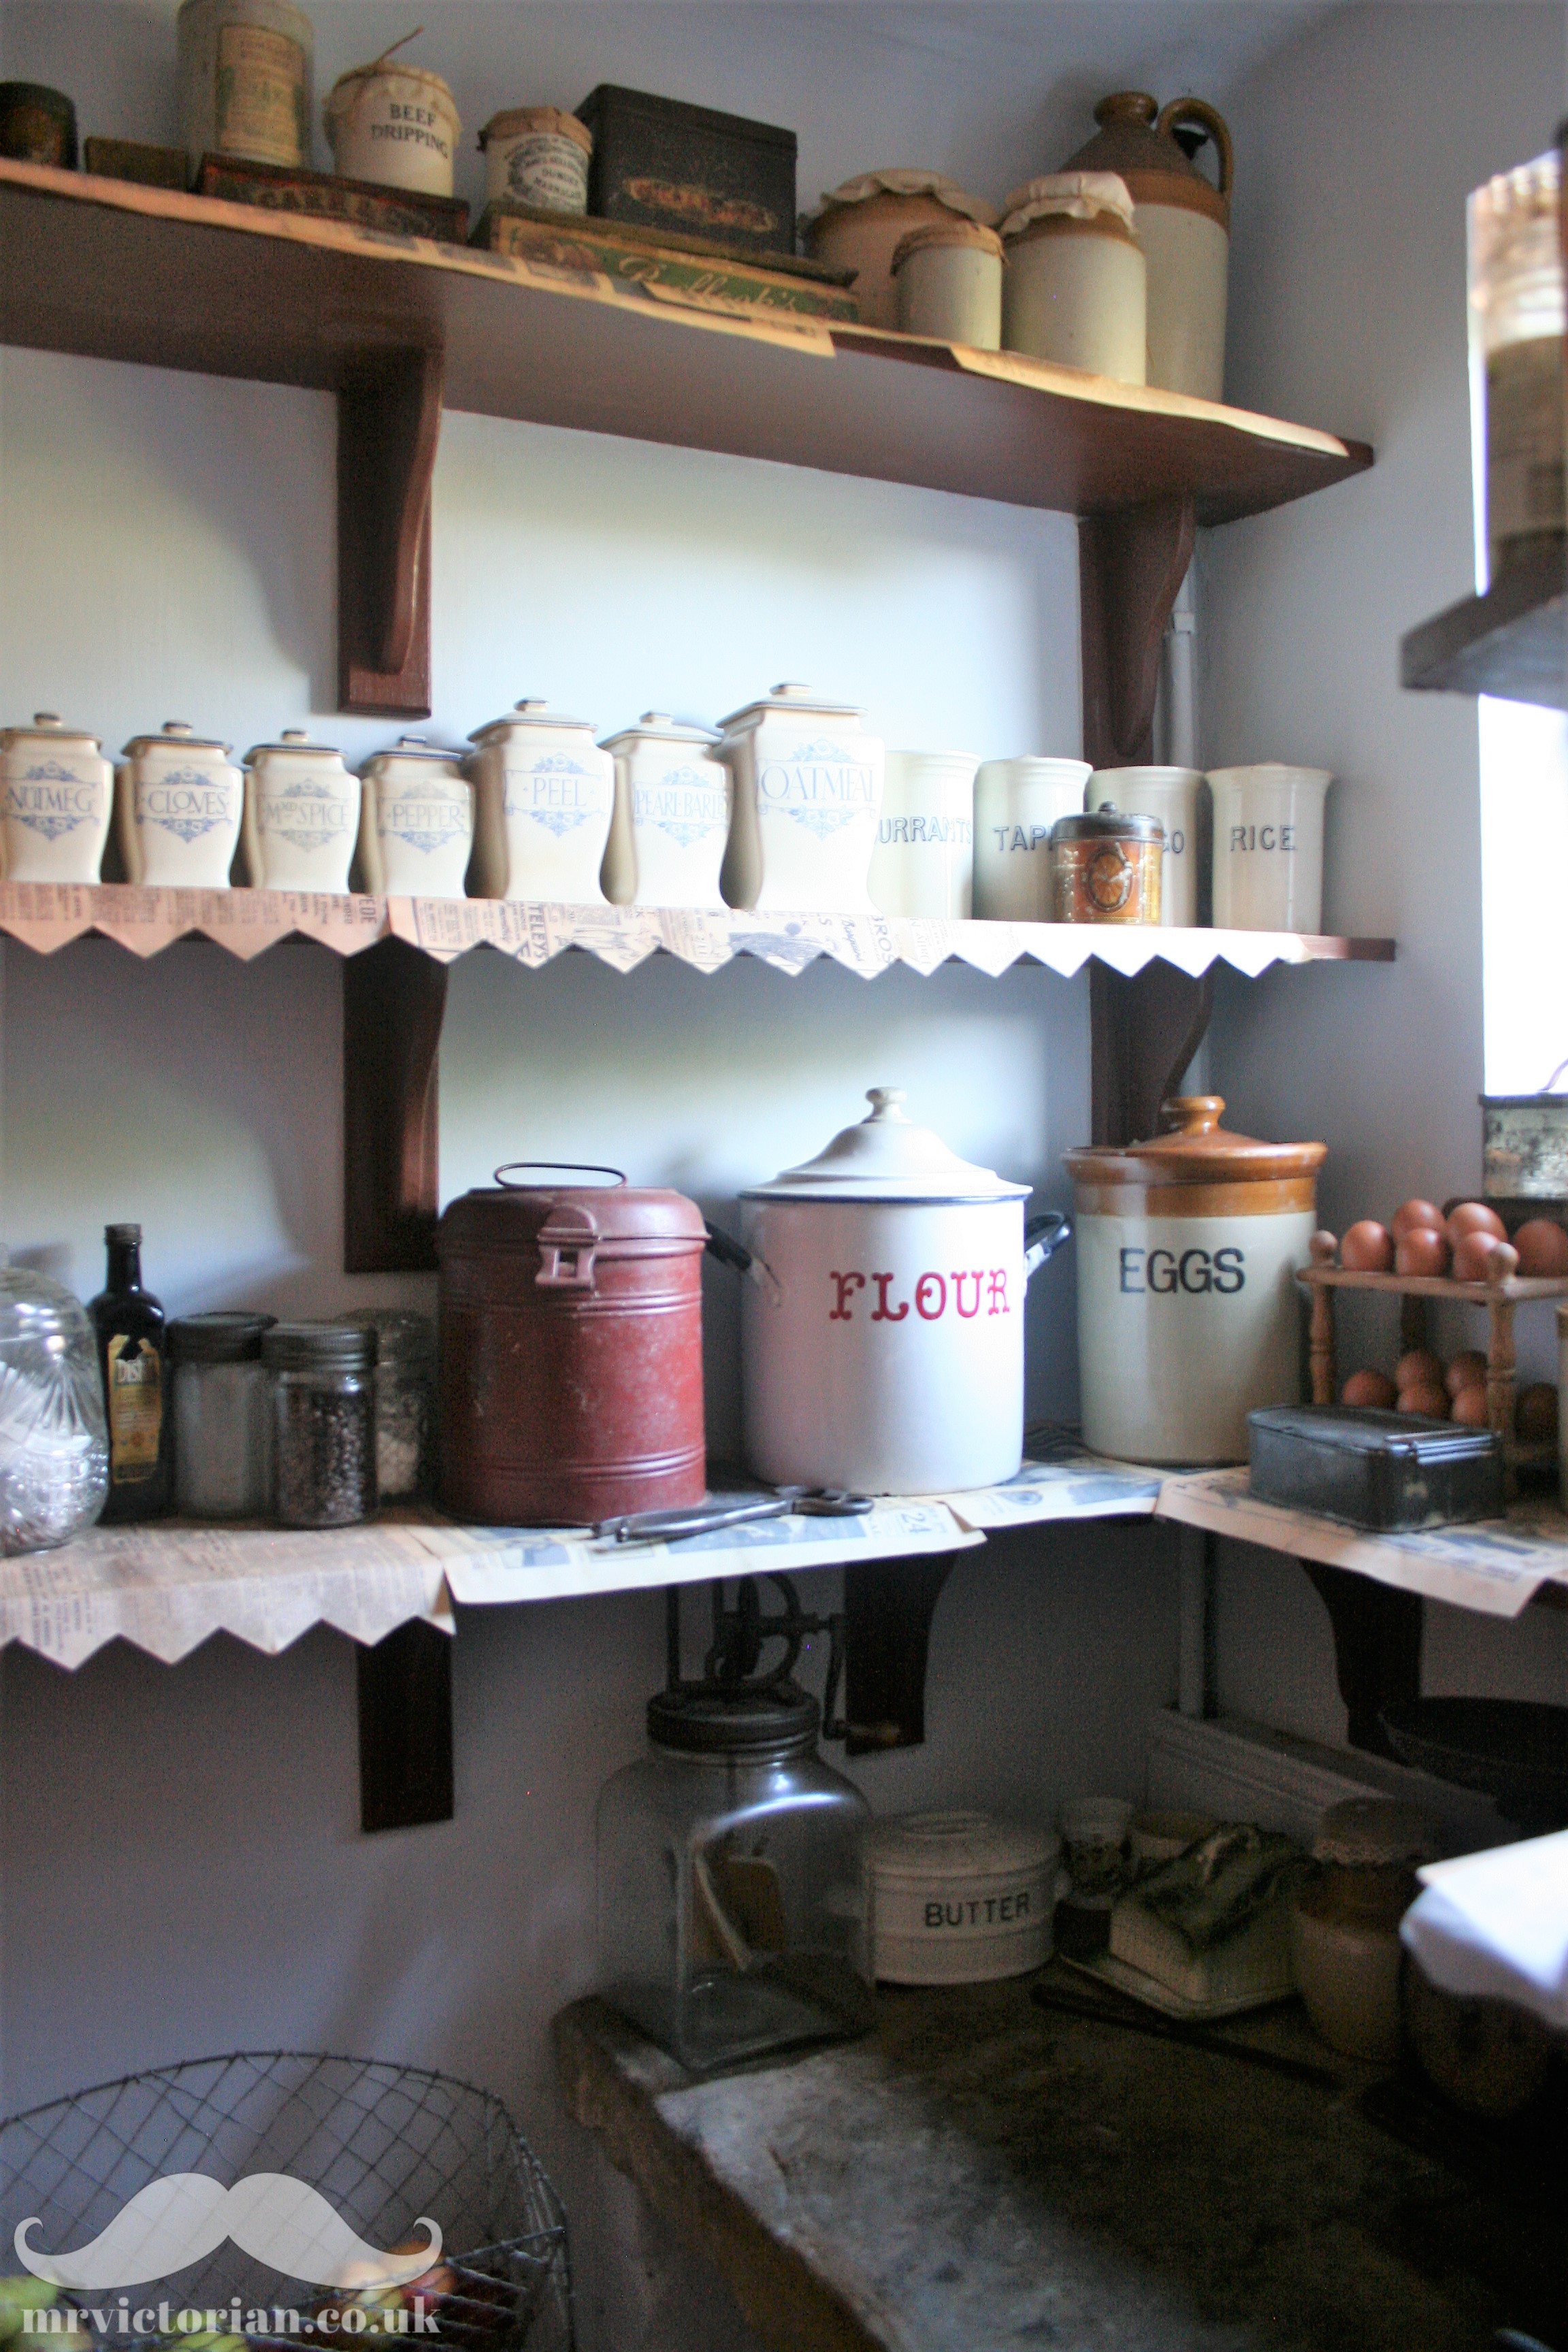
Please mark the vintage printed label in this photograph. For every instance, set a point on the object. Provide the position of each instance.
(934, 1295)
(403, 122)
(929, 832)
(51, 800)
(260, 95)
(557, 793)
(1276, 838)
(545, 170)
(426, 820)
(821, 785)
(188, 803)
(706, 211)
(135, 1410)
(681, 804)
(307, 813)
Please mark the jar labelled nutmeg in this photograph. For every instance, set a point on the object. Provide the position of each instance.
(1105, 867)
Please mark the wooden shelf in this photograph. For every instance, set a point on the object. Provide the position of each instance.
(1512, 641)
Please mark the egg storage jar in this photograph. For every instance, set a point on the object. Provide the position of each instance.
(1516, 309)
(322, 1382)
(923, 863)
(56, 800)
(179, 803)
(1105, 868)
(417, 821)
(301, 816)
(1016, 803)
(1269, 847)
(949, 281)
(862, 224)
(960, 1898)
(671, 819)
(396, 123)
(537, 155)
(1171, 794)
(405, 1398)
(222, 1417)
(807, 795)
(1074, 286)
(543, 795)
(245, 71)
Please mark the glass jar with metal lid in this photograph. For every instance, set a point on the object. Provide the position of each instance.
(405, 1398)
(1105, 866)
(221, 1426)
(323, 1422)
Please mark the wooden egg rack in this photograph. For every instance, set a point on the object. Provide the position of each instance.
(1500, 1295)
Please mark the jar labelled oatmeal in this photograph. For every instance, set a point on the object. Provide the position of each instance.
(323, 1422)
(1105, 867)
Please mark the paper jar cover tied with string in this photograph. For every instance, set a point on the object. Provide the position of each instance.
(179, 803)
(862, 223)
(55, 799)
(808, 792)
(417, 821)
(396, 123)
(301, 816)
(543, 797)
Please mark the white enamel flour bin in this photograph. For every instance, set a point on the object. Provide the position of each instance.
(960, 1898)
(179, 803)
(808, 794)
(543, 795)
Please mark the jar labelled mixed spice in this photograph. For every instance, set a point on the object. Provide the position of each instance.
(322, 1379)
(1105, 867)
(221, 1431)
(405, 1398)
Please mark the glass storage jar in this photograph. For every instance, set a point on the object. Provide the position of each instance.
(732, 1907)
(1516, 301)
(54, 1444)
(322, 1378)
(405, 1398)
(221, 1423)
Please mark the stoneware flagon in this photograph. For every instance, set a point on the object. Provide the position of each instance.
(543, 795)
(56, 800)
(301, 816)
(179, 803)
(417, 821)
(807, 796)
(672, 816)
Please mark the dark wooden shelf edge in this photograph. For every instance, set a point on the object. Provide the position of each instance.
(1512, 643)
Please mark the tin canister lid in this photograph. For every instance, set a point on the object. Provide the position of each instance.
(887, 1157)
(1108, 823)
(320, 1347)
(402, 1335)
(512, 1216)
(229, 1337)
(412, 747)
(658, 727)
(959, 231)
(295, 740)
(937, 1847)
(765, 1719)
(175, 730)
(801, 699)
(516, 121)
(531, 711)
(51, 726)
(1195, 1148)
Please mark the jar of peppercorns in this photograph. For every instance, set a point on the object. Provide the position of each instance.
(323, 1422)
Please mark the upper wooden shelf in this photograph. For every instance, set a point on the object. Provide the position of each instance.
(108, 270)
(1512, 641)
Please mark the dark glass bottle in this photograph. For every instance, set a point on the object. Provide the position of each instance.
(133, 1365)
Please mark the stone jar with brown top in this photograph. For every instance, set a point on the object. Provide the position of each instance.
(1181, 220)
(862, 223)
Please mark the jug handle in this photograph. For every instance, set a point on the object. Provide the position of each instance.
(1208, 118)
(1042, 1236)
(736, 1256)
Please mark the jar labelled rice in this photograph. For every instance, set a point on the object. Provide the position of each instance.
(537, 155)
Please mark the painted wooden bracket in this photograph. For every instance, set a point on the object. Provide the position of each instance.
(393, 1003)
(389, 422)
(1377, 1648)
(1131, 564)
(888, 1610)
(1144, 1033)
(405, 1730)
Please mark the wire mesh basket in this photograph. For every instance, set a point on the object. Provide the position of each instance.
(383, 2145)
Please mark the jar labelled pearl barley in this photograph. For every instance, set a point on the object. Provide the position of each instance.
(948, 279)
(537, 155)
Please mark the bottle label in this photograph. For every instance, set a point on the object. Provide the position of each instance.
(135, 1410)
(260, 94)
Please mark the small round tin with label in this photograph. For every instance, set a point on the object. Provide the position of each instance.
(37, 124)
(417, 821)
(179, 802)
(56, 797)
(960, 1898)
(537, 155)
(245, 81)
(301, 816)
(1105, 867)
(1171, 794)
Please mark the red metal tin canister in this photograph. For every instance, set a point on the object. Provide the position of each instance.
(571, 1354)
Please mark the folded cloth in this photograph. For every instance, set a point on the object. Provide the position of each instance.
(1212, 1890)
(1494, 1926)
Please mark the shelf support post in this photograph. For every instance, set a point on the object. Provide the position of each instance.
(1377, 1648)
(888, 1609)
(406, 1728)
(1131, 562)
(389, 422)
(393, 1003)
(1144, 1033)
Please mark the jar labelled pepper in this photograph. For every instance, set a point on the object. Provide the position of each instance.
(1106, 867)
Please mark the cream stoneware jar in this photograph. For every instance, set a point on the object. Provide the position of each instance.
(244, 69)
(862, 224)
(179, 803)
(537, 155)
(960, 1898)
(1074, 289)
(1269, 847)
(882, 1315)
(395, 123)
(1172, 795)
(808, 794)
(1017, 802)
(56, 800)
(301, 816)
(923, 863)
(543, 795)
(1188, 1316)
(948, 279)
(672, 816)
(417, 821)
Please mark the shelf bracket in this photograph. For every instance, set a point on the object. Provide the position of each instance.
(406, 1728)
(389, 422)
(1377, 1648)
(1131, 564)
(888, 1609)
(1144, 1033)
(393, 1003)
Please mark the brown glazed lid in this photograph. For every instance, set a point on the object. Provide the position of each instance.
(512, 1216)
(1195, 1150)
(1139, 142)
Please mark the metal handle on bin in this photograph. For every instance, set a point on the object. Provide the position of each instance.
(568, 1245)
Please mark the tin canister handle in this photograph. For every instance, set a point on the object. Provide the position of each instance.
(568, 1245)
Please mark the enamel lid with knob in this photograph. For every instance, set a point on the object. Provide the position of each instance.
(886, 1157)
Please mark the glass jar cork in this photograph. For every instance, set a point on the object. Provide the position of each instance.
(1105, 867)
(323, 1422)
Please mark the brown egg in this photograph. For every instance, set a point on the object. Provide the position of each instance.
(1413, 1213)
(1422, 1249)
(1431, 1399)
(1469, 1408)
(1472, 1255)
(1420, 1369)
(1369, 1388)
(1535, 1414)
(1474, 1217)
(1542, 1247)
(1468, 1370)
(1368, 1248)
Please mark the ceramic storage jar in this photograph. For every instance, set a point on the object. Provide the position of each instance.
(544, 794)
(537, 155)
(949, 282)
(1188, 1317)
(244, 69)
(807, 796)
(1345, 1922)
(1182, 220)
(179, 804)
(1073, 289)
(417, 821)
(56, 800)
(396, 123)
(1016, 803)
(1516, 345)
(301, 816)
(671, 819)
(1269, 847)
(862, 224)
(960, 1898)
(1172, 795)
(923, 863)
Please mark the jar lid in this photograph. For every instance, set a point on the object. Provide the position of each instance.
(957, 1844)
(658, 727)
(1069, 196)
(1376, 1832)
(176, 730)
(1108, 823)
(606, 1217)
(1195, 1150)
(324, 1346)
(401, 1334)
(760, 1719)
(887, 1157)
(789, 695)
(531, 711)
(347, 89)
(957, 231)
(544, 119)
(412, 747)
(295, 739)
(226, 1338)
(947, 191)
(49, 724)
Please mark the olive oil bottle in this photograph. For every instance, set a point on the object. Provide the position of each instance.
(134, 1363)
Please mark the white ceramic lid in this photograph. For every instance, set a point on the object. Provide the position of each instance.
(658, 727)
(927, 1847)
(787, 696)
(294, 739)
(887, 1157)
(175, 730)
(531, 711)
(412, 747)
(51, 728)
